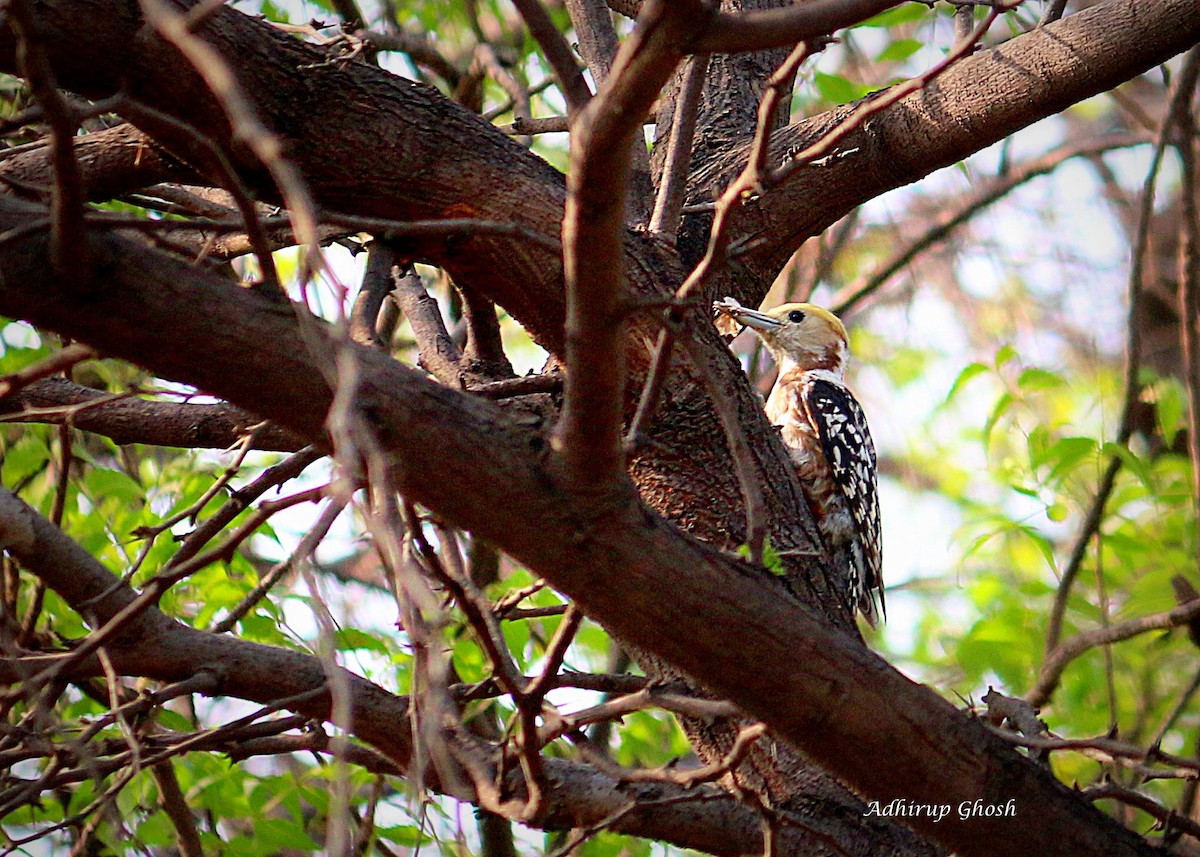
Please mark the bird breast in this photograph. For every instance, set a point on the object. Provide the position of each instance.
(785, 409)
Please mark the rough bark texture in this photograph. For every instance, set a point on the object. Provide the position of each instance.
(372, 144)
(824, 692)
(132, 420)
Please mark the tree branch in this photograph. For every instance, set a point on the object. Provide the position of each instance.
(1031, 76)
(589, 433)
(703, 818)
(124, 419)
(734, 32)
(981, 100)
(557, 52)
(1058, 659)
(824, 692)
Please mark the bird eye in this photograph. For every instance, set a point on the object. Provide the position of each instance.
(796, 316)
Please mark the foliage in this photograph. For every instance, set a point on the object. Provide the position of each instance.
(1003, 446)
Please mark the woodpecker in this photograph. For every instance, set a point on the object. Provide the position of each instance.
(826, 432)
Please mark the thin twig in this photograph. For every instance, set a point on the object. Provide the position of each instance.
(380, 227)
(60, 361)
(303, 552)
(528, 385)
(69, 251)
(529, 706)
(883, 100)
(221, 81)
(231, 181)
(1168, 818)
(522, 127)
(1109, 751)
(487, 61)
(419, 49)
(1061, 656)
(672, 187)
(474, 605)
(750, 179)
(1052, 11)
(240, 500)
(175, 805)
(949, 219)
(1184, 85)
(646, 698)
(178, 570)
(536, 690)
(557, 52)
(1181, 705)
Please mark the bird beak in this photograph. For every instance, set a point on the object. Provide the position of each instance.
(755, 319)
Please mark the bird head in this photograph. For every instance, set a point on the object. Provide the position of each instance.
(802, 335)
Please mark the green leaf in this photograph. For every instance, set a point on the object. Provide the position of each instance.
(770, 559)
(1043, 544)
(112, 484)
(1066, 453)
(838, 89)
(1004, 355)
(899, 50)
(906, 365)
(1170, 407)
(999, 409)
(172, 720)
(278, 833)
(349, 639)
(900, 15)
(156, 830)
(1034, 380)
(469, 660)
(1133, 464)
(403, 834)
(516, 638)
(968, 373)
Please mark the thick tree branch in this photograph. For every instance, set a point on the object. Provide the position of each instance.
(56, 401)
(979, 101)
(399, 150)
(158, 647)
(110, 162)
(733, 32)
(820, 690)
(593, 238)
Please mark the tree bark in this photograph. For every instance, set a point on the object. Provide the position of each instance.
(814, 686)
(372, 144)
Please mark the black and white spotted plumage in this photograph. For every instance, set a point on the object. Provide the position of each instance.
(850, 453)
(826, 432)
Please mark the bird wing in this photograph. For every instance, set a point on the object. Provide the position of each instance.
(848, 448)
